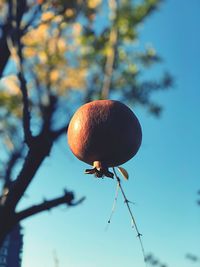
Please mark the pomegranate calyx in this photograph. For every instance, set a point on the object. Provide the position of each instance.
(99, 170)
(100, 173)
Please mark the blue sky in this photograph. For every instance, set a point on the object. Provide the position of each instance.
(164, 175)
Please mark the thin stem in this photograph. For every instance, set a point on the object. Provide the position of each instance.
(111, 54)
(131, 214)
(114, 205)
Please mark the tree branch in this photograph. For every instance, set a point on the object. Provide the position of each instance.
(40, 148)
(47, 205)
(26, 113)
(21, 7)
(13, 43)
(4, 50)
(38, 151)
(9, 218)
(7, 30)
(111, 54)
(34, 15)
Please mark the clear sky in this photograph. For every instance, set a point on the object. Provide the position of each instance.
(164, 176)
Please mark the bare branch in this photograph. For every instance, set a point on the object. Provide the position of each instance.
(21, 7)
(9, 218)
(111, 54)
(40, 148)
(47, 205)
(23, 87)
(26, 113)
(32, 18)
(126, 201)
(7, 30)
(4, 51)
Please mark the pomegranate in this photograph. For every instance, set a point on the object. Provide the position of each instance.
(104, 133)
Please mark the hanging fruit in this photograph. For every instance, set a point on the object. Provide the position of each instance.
(104, 133)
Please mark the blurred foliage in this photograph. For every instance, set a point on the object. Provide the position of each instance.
(192, 258)
(151, 260)
(65, 48)
(70, 52)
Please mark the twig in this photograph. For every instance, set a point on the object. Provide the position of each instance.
(26, 113)
(4, 50)
(32, 18)
(114, 204)
(23, 87)
(112, 43)
(32, 162)
(6, 31)
(47, 205)
(131, 214)
(20, 9)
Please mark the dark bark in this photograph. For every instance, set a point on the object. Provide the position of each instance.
(67, 199)
(9, 219)
(38, 151)
(4, 50)
(40, 148)
(8, 31)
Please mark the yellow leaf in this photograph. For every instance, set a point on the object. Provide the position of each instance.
(10, 84)
(29, 52)
(69, 12)
(42, 56)
(52, 46)
(61, 45)
(42, 31)
(75, 78)
(77, 27)
(54, 75)
(123, 172)
(47, 16)
(58, 19)
(94, 3)
(35, 36)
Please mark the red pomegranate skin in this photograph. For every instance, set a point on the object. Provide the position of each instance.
(106, 131)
